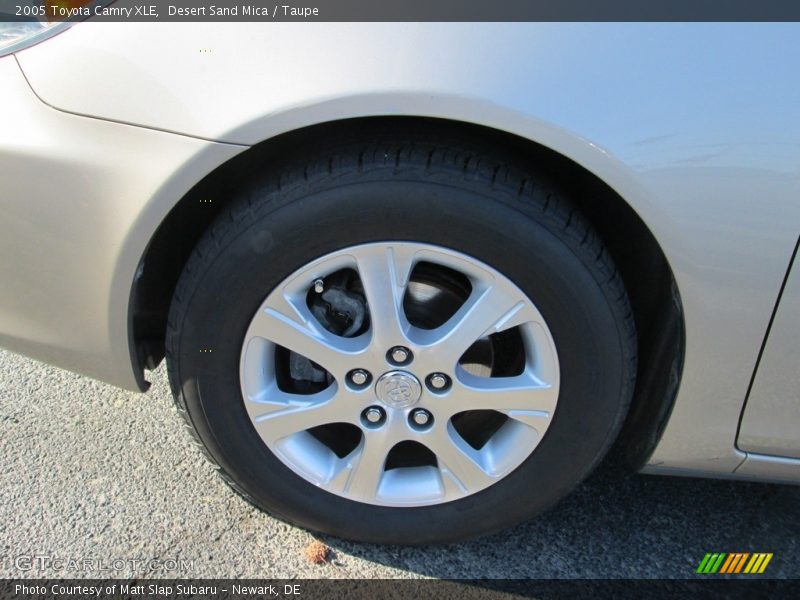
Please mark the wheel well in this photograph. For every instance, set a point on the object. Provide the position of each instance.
(644, 268)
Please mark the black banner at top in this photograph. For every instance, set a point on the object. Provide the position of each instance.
(400, 10)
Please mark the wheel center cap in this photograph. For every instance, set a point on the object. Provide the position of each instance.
(398, 389)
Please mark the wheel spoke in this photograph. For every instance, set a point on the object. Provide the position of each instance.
(307, 337)
(384, 273)
(489, 310)
(458, 461)
(365, 465)
(298, 413)
(524, 397)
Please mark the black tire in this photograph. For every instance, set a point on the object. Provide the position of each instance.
(405, 188)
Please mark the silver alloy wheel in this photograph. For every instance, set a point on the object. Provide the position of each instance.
(285, 420)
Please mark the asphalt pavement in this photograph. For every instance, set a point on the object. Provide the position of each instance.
(96, 481)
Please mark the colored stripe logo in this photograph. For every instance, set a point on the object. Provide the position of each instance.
(734, 562)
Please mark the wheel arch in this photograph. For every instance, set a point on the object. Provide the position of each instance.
(581, 168)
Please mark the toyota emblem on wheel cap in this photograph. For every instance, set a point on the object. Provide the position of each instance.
(398, 389)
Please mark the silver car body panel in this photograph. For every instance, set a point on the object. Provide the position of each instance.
(766, 468)
(696, 126)
(80, 199)
(771, 418)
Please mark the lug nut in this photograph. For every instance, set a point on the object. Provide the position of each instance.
(373, 415)
(421, 417)
(438, 382)
(400, 355)
(359, 377)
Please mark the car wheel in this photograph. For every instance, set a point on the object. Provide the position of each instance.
(407, 342)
